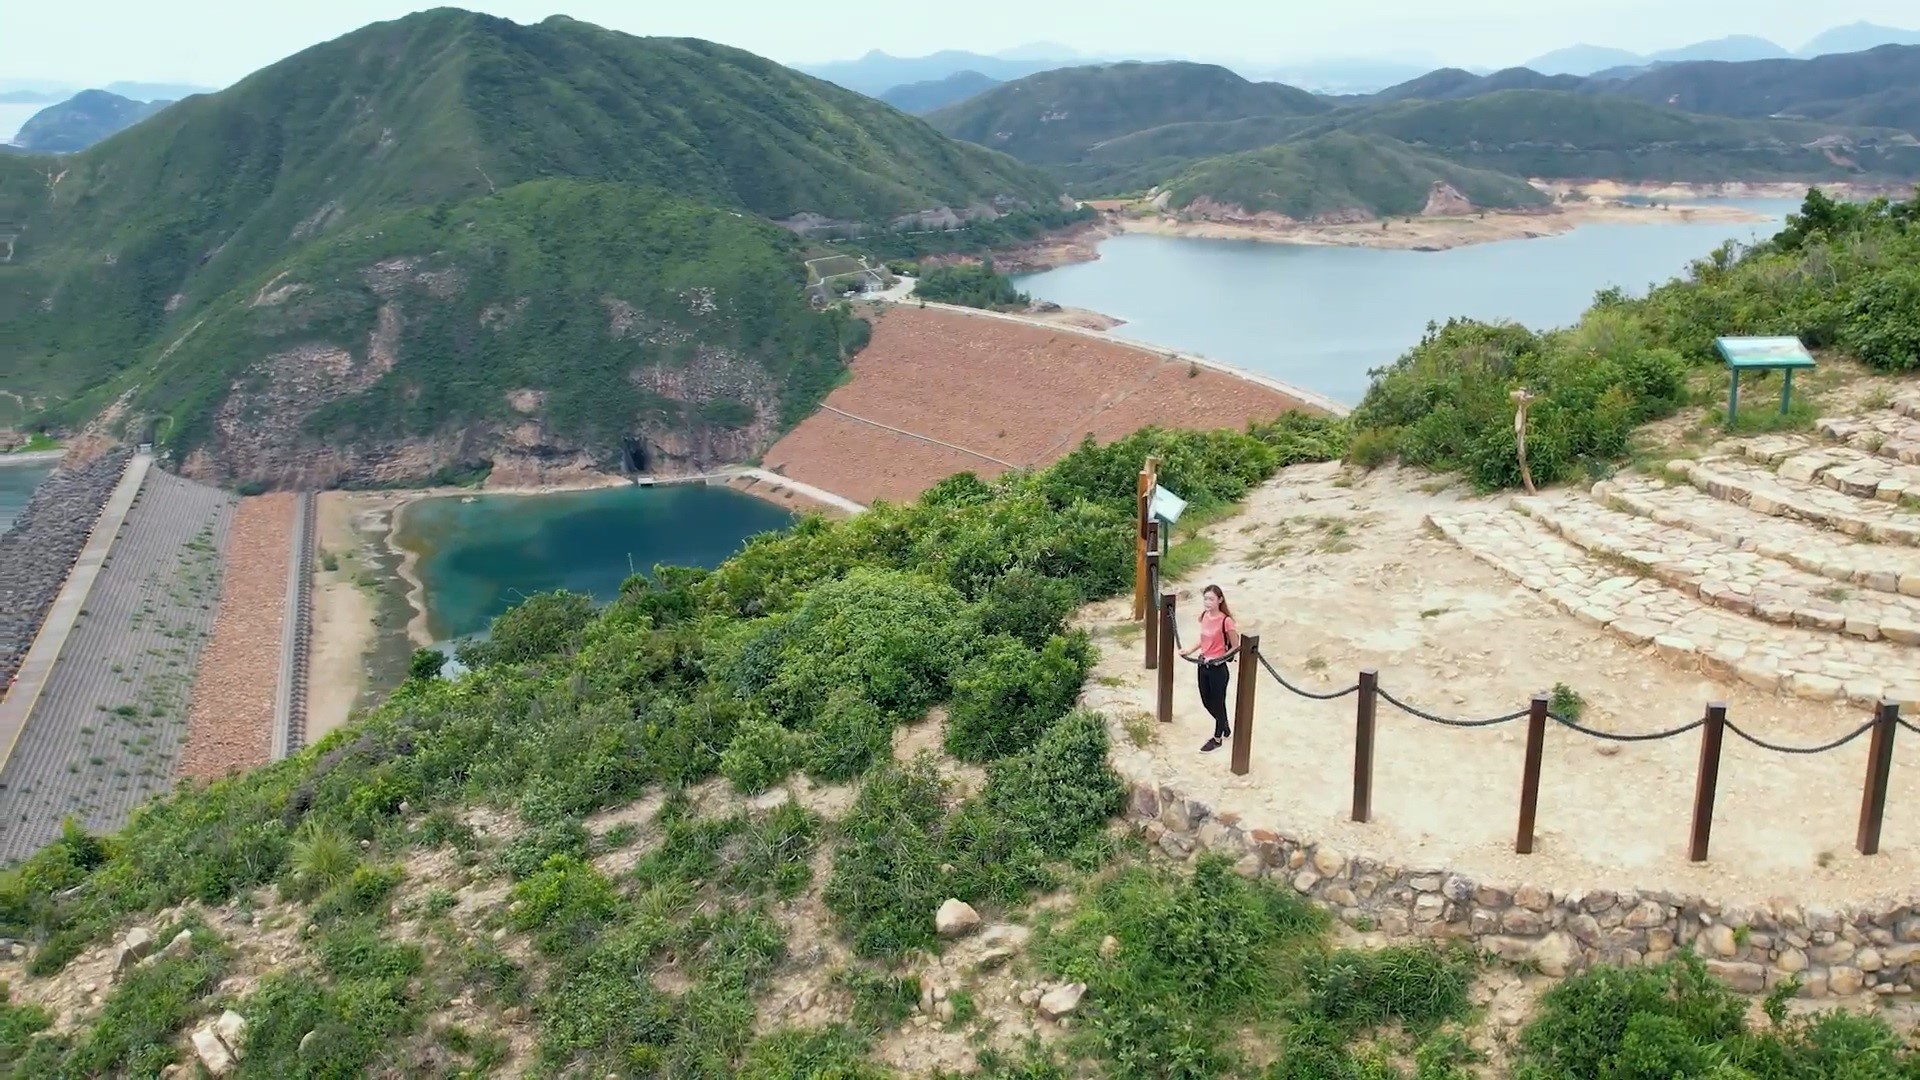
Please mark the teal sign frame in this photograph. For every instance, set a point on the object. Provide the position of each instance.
(1784, 354)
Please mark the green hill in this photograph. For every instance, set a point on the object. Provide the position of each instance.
(1563, 134)
(82, 120)
(1342, 176)
(128, 250)
(1057, 117)
(1879, 87)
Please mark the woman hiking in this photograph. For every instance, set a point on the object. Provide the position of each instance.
(1218, 640)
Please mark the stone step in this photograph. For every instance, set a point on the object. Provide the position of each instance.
(1885, 432)
(1833, 555)
(1858, 473)
(1785, 659)
(1743, 582)
(1736, 480)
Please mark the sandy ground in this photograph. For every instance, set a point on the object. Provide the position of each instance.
(1440, 233)
(230, 723)
(1072, 316)
(1336, 578)
(999, 393)
(1616, 189)
(343, 617)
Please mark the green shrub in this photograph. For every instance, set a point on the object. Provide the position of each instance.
(1061, 790)
(567, 900)
(887, 635)
(1027, 606)
(540, 627)
(1008, 696)
(761, 755)
(886, 874)
(425, 664)
(850, 734)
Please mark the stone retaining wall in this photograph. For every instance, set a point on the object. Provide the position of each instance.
(37, 552)
(1752, 949)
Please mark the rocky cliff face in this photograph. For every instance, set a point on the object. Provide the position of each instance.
(1444, 200)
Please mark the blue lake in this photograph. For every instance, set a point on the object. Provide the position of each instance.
(480, 555)
(1321, 317)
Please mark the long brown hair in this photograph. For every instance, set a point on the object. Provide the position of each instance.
(1215, 590)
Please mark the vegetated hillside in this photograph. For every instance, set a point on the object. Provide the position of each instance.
(676, 838)
(1540, 133)
(123, 248)
(1450, 84)
(1840, 276)
(1343, 177)
(82, 120)
(1057, 117)
(543, 322)
(1876, 88)
(1144, 159)
(924, 97)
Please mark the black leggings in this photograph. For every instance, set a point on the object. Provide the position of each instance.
(1213, 694)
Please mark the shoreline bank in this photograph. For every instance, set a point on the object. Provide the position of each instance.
(1577, 204)
(1441, 233)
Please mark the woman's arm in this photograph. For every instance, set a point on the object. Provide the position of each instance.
(1231, 634)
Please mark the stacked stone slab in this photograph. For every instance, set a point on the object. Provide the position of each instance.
(39, 549)
(1834, 952)
(1783, 561)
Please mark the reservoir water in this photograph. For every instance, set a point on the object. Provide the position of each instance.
(1321, 317)
(479, 555)
(17, 482)
(13, 117)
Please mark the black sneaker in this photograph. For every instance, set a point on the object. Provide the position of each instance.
(1210, 746)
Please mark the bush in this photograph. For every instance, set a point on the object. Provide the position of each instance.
(540, 627)
(850, 734)
(970, 285)
(761, 755)
(886, 880)
(1004, 700)
(1061, 790)
(1027, 606)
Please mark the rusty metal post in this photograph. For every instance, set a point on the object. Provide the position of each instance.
(1243, 704)
(1363, 745)
(1873, 799)
(1530, 776)
(1153, 589)
(1165, 702)
(1711, 735)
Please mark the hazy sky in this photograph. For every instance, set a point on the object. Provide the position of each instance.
(215, 42)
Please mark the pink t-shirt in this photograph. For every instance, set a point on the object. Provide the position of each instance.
(1213, 634)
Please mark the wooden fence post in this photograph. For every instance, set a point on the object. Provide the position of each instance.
(1873, 800)
(1243, 703)
(1165, 702)
(1530, 776)
(1369, 698)
(1711, 734)
(1153, 589)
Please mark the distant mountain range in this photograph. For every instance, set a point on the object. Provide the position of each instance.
(921, 81)
(38, 92)
(1218, 141)
(1739, 48)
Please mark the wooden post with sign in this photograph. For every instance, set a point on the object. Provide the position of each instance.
(1143, 606)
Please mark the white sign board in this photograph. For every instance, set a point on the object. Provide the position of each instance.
(1164, 505)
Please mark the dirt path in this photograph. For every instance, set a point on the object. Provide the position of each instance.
(230, 724)
(343, 614)
(1336, 578)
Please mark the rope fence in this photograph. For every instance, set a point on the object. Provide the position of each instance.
(1163, 643)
